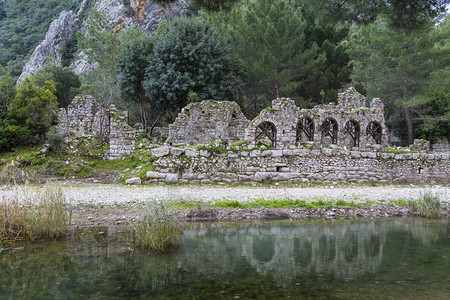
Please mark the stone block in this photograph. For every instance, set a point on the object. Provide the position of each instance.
(277, 153)
(205, 153)
(255, 153)
(134, 180)
(191, 152)
(189, 176)
(157, 175)
(172, 178)
(176, 151)
(161, 151)
(287, 176)
(266, 153)
(260, 176)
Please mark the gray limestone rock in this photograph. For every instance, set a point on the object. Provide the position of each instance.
(161, 151)
(134, 180)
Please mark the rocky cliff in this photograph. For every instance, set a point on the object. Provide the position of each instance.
(142, 13)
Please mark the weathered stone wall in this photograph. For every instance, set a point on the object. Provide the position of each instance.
(85, 117)
(346, 124)
(185, 165)
(122, 137)
(78, 117)
(208, 121)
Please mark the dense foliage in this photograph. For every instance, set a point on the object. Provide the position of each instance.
(23, 25)
(30, 114)
(189, 57)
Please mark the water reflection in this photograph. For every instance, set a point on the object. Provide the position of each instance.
(238, 259)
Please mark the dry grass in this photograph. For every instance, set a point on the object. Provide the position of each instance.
(11, 174)
(157, 230)
(43, 214)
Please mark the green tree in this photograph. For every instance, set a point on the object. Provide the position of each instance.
(65, 80)
(7, 93)
(102, 47)
(132, 62)
(285, 51)
(31, 112)
(395, 66)
(188, 56)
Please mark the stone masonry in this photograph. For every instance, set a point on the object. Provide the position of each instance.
(208, 164)
(208, 121)
(85, 117)
(347, 124)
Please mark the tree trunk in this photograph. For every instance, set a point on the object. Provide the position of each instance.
(143, 110)
(409, 123)
(277, 90)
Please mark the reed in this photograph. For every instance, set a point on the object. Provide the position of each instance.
(42, 214)
(428, 205)
(157, 230)
(11, 174)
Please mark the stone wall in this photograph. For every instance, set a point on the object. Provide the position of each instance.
(347, 124)
(85, 117)
(208, 121)
(189, 165)
(122, 137)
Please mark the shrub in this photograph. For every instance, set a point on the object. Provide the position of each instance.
(157, 231)
(55, 140)
(42, 215)
(428, 206)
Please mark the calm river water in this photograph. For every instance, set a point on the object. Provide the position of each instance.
(371, 259)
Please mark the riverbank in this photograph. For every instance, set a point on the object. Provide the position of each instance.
(108, 204)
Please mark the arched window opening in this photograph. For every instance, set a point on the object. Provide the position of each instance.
(266, 134)
(305, 130)
(329, 132)
(352, 132)
(374, 131)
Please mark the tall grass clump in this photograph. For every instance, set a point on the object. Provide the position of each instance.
(157, 230)
(428, 205)
(11, 174)
(42, 214)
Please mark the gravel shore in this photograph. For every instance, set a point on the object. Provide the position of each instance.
(110, 194)
(107, 204)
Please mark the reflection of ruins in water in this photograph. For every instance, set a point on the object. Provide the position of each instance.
(346, 249)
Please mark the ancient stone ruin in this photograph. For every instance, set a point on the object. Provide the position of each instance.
(208, 121)
(212, 141)
(85, 117)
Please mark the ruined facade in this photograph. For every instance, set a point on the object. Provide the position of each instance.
(348, 124)
(208, 121)
(84, 116)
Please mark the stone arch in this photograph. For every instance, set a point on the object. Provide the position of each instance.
(305, 130)
(374, 132)
(329, 133)
(352, 132)
(266, 133)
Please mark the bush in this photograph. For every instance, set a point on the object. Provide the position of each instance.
(55, 140)
(157, 231)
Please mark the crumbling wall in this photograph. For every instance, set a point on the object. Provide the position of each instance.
(85, 117)
(349, 123)
(122, 137)
(78, 118)
(208, 121)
